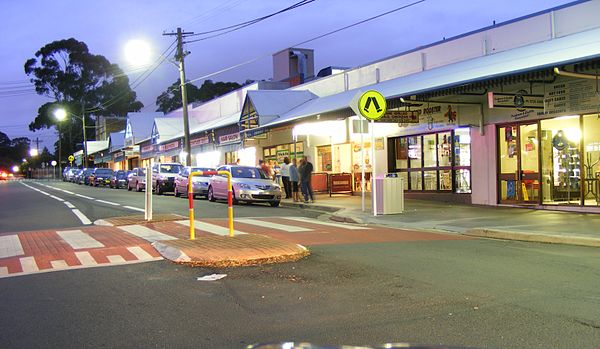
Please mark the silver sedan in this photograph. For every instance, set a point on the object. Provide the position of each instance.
(249, 184)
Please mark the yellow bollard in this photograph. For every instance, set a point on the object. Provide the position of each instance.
(191, 200)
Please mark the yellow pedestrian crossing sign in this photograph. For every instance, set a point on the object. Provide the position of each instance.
(372, 105)
(71, 158)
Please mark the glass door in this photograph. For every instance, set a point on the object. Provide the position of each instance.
(519, 164)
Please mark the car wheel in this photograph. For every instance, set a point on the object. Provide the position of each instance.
(138, 187)
(158, 191)
(210, 195)
(274, 203)
(128, 187)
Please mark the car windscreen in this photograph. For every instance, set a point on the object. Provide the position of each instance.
(204, 169)
(121, 174)
(248, 172)
(104, 172)
(170, 168)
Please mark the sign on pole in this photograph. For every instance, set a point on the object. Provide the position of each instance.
(372, 105)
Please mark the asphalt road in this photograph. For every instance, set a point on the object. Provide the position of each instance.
(479, 293)
(22, 208)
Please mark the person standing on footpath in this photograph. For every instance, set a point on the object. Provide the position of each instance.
(285, 177)
(305, 170)
(294, 179)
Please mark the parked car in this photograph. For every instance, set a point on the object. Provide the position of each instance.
(250, 184)
(163, 177)
(101, 176)
(137, 179)
(68, 176)
(77, 175)
(199, 183)
(118, 179)
(84, 177)
(65, 173)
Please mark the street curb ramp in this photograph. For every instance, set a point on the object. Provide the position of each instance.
(532, 237)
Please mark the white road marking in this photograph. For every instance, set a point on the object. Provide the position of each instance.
(59, 264)
(211, 228)
(3, 271)
(116, 259)
(108, 202)
(81, 217)
(68, 192)
(330, 224)
(69, 205)
(78, 239)
(85, 197)
(288, 228)
(28, 264)
(135, 208)
(139, 253)
(146, 233)
(85, 258)
(10, 246)
(56, 198)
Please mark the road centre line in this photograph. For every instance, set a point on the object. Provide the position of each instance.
(108, 202)
(69, 205)
(135, 208)
(81, 216)
(85, 197)
(68, 192)
(57, 198)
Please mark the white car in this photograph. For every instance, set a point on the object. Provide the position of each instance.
(163, 176)
(250, 184)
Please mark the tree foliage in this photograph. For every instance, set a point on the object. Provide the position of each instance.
(12, 151)
(83, 83)
(171, 98)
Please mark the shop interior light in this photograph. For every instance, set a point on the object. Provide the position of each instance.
(573, 134)
(247, 156)
(209, 159)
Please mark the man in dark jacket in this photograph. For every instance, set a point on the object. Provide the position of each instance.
(305, 170)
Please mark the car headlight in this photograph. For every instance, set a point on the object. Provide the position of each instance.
(244, 186)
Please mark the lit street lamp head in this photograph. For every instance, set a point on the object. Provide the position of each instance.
(137, 52)
(60, 114)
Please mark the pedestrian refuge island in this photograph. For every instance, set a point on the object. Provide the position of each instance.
(390, 195)
(190, 192)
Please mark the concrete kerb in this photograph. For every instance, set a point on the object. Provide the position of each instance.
(532, 237)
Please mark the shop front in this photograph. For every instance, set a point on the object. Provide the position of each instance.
(119, 162)
(229, 144)
(170, 152)
(553, 161)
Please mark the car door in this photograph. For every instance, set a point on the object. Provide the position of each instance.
(182, 180)
(220, 184)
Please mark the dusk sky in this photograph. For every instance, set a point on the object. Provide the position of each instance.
(106, 25)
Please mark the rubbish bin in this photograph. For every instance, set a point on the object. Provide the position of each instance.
(390, 195)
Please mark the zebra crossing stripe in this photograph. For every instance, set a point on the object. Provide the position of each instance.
(28, 264)
(139, 253)
(77, 239)
(10, 246)
(265, 224)
(211, 228)
(145, 233)
(329, 224)
(85, 258)
(59, 264)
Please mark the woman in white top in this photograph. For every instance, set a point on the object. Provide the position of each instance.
(285, 177)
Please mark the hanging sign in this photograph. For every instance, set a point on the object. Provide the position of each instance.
(572, 97)
(400, 117)
(229, 138)
(519, 100)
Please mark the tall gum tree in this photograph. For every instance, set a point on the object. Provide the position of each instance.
(83, 83)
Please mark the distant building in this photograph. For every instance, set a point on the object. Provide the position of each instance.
(105, 125)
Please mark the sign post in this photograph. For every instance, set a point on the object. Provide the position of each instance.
(71, 159)
(148, 195)
(372, 105)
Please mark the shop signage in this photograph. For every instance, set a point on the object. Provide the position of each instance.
(229, 138)
(400, 117)
(148, 148)
(169, 146)
(254, 132)
(199, 141)
(520, 100)
(340, 182)
(571, 97)
(147, 151)
(119, 156)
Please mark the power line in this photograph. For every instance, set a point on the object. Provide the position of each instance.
(306, 41)
(211, 13)
(232, 28)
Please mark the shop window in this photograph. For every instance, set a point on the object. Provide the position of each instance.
(462, 147)
(445, 180)
(591, 159)
(561, 160)
(429, 151)
(463, 181)
(430, 180)
(404, 176)
(401, 153)
(415, 180)
(444, 149)
(414, 151)
(324, 159)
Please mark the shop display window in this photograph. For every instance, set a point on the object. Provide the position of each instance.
(591, 159)
(434, 162)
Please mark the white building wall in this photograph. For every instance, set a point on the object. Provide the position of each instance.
(483, 166)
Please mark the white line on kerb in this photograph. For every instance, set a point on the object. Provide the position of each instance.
(108, 202)
(135, 208)
(81, 216)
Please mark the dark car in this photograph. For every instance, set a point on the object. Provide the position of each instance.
(118, 179)
(199, 183)
(84, 176)
(137, 179)
(163, 176)
(101, 176)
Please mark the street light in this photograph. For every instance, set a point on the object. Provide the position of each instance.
(60, 114)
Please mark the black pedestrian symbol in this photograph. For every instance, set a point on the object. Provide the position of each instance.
(368, 104)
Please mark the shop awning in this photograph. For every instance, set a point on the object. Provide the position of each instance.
(116, 141)
(96, 146)
(166, 129)
(565, 50)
